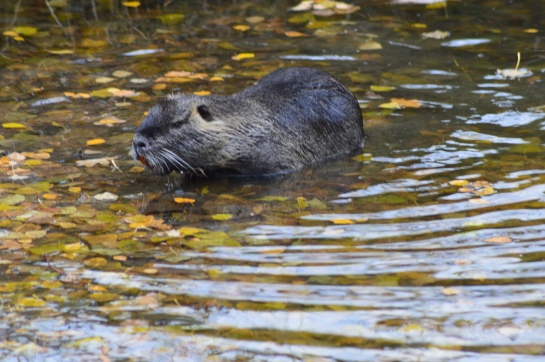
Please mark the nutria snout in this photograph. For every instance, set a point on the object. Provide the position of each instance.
(291, 118)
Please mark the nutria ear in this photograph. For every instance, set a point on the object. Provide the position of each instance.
(204, 112)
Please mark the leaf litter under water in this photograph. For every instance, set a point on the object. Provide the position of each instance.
(74, 210)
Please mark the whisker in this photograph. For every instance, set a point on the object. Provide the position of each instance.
(180, 161)
(174, 160)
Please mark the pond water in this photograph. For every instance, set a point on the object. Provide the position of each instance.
(428, 245)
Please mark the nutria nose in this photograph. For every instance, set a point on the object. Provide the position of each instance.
(139, 144)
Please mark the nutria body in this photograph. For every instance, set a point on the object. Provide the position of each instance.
(291, 118)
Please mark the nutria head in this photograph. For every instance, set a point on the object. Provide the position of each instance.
(173, 134)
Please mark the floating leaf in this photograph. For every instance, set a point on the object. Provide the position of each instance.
(171, 19)
(95, 262)
(381, 88)
(13, 125)
(255, 19)
(121, 74)
(437, 34)
(61, 51)
(103, 297)
(110, 121)
(12, 200)
(104, 80)
(106, 196)
(370, 45)
(241, 56)
(411, 328)
(272, 198)
(407, 103)
(222, 217)
(104, 161)
(25, 30)
(131, 4)
(183, 200)
(342, 221)
(202, 93)
(450, 291)
(294, 34)
(242, 28)
(31, 302)
(499, 240)
(303, 6)
(96, 141)
(391, 105)
(458, 182)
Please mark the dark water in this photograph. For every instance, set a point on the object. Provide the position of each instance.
(388, 256)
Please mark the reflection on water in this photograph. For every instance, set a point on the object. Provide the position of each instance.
(429, 247)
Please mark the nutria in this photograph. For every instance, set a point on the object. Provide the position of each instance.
(291, 118)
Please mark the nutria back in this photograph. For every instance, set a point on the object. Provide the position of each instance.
(291, 118)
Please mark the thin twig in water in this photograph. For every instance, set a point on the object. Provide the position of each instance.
(52, 11)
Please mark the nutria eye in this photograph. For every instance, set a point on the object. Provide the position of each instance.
(204, 113)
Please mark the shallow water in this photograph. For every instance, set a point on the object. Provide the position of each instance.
(428, 246)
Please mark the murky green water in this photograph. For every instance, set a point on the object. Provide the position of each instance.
(429, 247)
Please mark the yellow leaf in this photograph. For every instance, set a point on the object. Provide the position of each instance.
(72, 247)
(450, 291)
(437, 5)
(241, 56)
(407, 103)
(31, 302)
(531, 31)
(241, 27)
(110, 121)
(159, 86)
(97, 262)
(458, 182)
(125, 93)
(484, 191)
(10, 33)
(25, 30)
(419, 26)
(381, 88)
(222, 217)
(96, 141)
(411, 328)
(183, 200)
(370, 45)
(32, 163)
(13, 125)
(50, 196)
(60, 51)
(67, 225)
(390, 105)
(150, 271)
(214, 273)
(342, 221)
(137, 169)
(216, 79)
(37, 155)
(131, 4)
(294, 34)
(103, 80)
(75, 190)
(202, 93)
